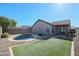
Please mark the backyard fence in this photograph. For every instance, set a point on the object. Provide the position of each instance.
(19, 31)
(77, 32)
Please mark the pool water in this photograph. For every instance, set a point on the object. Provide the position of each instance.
(23, 37)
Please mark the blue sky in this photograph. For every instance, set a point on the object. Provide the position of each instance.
(27, 14)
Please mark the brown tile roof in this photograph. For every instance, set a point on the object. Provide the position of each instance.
(21, 27)
(63, 22)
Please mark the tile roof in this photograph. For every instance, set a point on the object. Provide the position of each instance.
(63, 22)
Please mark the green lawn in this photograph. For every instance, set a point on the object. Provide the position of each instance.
(50, 47)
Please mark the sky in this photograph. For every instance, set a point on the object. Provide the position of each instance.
(29, 13)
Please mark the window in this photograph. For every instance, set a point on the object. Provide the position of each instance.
(62, 30)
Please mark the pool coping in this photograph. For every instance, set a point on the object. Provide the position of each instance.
(11, 38)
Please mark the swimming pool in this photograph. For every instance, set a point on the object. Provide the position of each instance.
(23, 37)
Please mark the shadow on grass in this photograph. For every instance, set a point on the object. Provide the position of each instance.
(69, 39)
(63, 38)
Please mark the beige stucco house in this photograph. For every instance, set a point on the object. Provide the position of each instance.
(54, 28)
(42, 27)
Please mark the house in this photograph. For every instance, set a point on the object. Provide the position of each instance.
(41, 27)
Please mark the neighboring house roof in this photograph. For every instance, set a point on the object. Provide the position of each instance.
(21, 27)
(42, 21)
(63, 22)
(25, 27)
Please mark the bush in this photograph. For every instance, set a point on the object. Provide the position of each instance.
(5, 35)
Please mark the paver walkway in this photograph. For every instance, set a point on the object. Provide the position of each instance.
(5, 44)
(76, 46)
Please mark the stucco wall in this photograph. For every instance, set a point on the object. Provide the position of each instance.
(42, 27)
(19, 31)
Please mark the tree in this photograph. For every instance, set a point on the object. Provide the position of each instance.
(6, 22)
(12, 23)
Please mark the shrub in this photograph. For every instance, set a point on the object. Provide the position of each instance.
(5, 35)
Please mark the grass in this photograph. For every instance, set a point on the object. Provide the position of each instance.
(50, 47)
